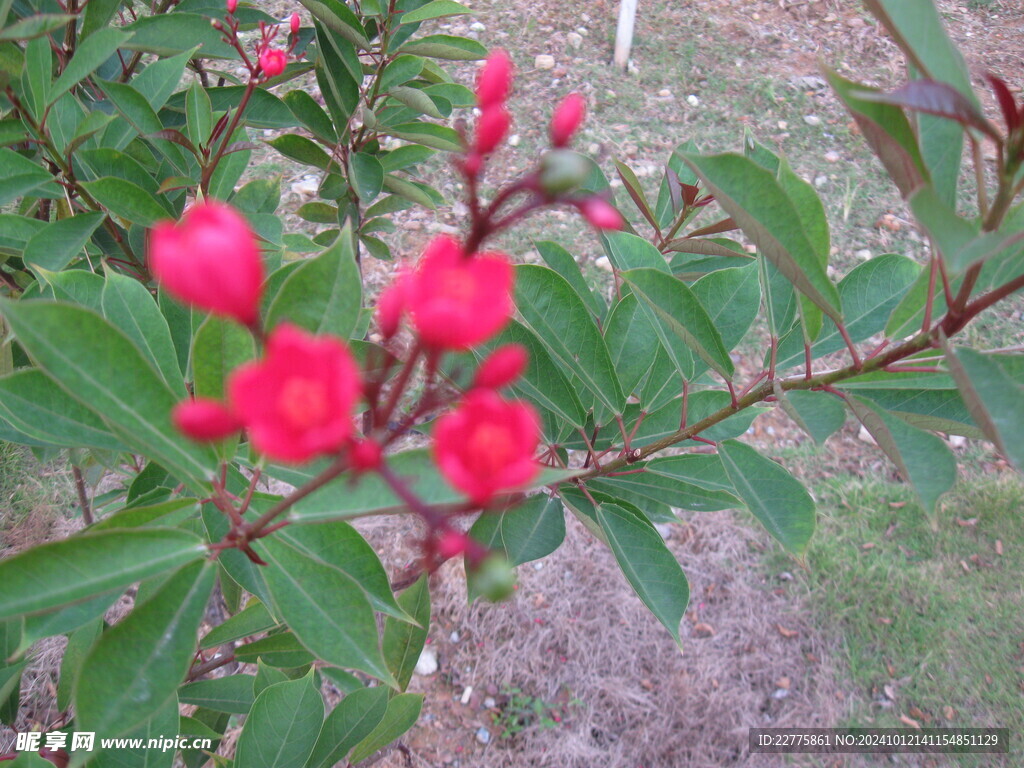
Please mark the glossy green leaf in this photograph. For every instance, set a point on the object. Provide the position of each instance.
(301, 150)
(627, 251)
(433, 10)
(527, 531)
(923, 459)
(671, 482)
(760, 205)
(560, 260)
(402, 641)
(632, 342)
(98, 365)
(935, 410)
(80, 642)
(220, 346)
(324, 295)
(167, 34)
(137, 753)
(57, 245)
(137, 665)
(351, 721)
(557, 315)
(776, 498)
(448, 47)
(251, 621)
(402, 713)
(325, 608)
(732, 298)
(198, 114)
(90, 54)
(232, 693)
(127, 200)
(650, 568)
(366, 175)
(675, 311)
(429, 135)
(339, 19)
(65, 620)
(283, 726)
(278, 650)
(311, 114)
(35, 26)
(37, 580)
(399, 71)
(19, 175)
(819, 414)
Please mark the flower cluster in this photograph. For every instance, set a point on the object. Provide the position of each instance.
(270, 61)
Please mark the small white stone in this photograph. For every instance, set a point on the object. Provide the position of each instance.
(467, 693)
(453, 637)
(489, 702)
(957, 441)
(783, 125)
(665, 93)
(593, 148)
(812, 119)
(539, 565)
(820, 181)
(832, 157)
(426, 664)
(582, 31)
(603, 263)
(664, 529)
(483, 735)
(476, 26)
(863, 254)
(306, 186)
(544, 61)
(514, 139)
(575, 39)
(692, 100)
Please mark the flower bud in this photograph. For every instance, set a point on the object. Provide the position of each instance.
(473, 164)
(391, 307)
(204, 419)
(365, 455)
(491, 129)
(232, 5)
(495, 80)
(502, 367)
(295, 23)
(273, 61)
(562, 170)
(601, 214)
(567, 119)
(452, 544)
(494, 578)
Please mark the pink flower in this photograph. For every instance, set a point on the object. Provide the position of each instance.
(231, 5)
(567, 119)
(601, 214)
(502, 367)
(297, 401)
(495, 80)
(486, 445)
(273, 61)
(457, 301)
(210, 260)
(295, 22)
(391, 305)
(204, 419)
(491, 129)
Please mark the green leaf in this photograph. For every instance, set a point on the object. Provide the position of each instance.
(137, 665)
(446, 47)
(98, 365)
(935, 410)
(402, 713)
(403, 642)
(58, 243)
(224, 694)
(311, 115)
(80, 642)
(416, 100)
(340, 19)
(650, 568)
(760, 205)
(283, 726)
(35, 26)
(671, 483)
(127, 200)
(165, 513)
(220, 346)
(198, 114)
(560, 260)
(128, 305)
(301, 150)
(776, 498)
(674, 310)
(34, 405)
(367, 175)
(819, 414)
(923, 459)
(65, 620)
(433, 10)
(38, 580)
(401, 70)
(429, 135)
(555, 312)
(167, 34)
(93, 51)
(732, 298)
(160, 725)
(632, 342)
(281, 650)
(325, 608)
(252, 620)
(994, 398)
(527, 531)
(414, 193)
(19, 175)
(349, 723)
(324, 295)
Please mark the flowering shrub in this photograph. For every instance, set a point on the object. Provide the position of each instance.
(162, 320)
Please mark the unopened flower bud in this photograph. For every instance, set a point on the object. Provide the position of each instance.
(295, 23)
(365, 455)
(601, 214)
(491, 129)
(452, 544)
(273, 61)
(502, 367)
(473, 164)
(562, 170)
(494, 578)
(567, 119)
(495, 81)
(232, 5)
(205, 420)
(391, 307)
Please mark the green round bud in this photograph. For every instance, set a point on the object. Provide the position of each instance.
(562, 170)
(494, 579)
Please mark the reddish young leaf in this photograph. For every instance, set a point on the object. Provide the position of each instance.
(1006, 102)
(935, 98)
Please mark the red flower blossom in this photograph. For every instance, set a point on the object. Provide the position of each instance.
(491, 129)
(495, 80)
(455, 301)
(297, 401)
(273, 61)
(502, 367)
(567, 119)
(601, 214)
(204, 419)
(486, 445)
(294, 22)
(209, 259)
